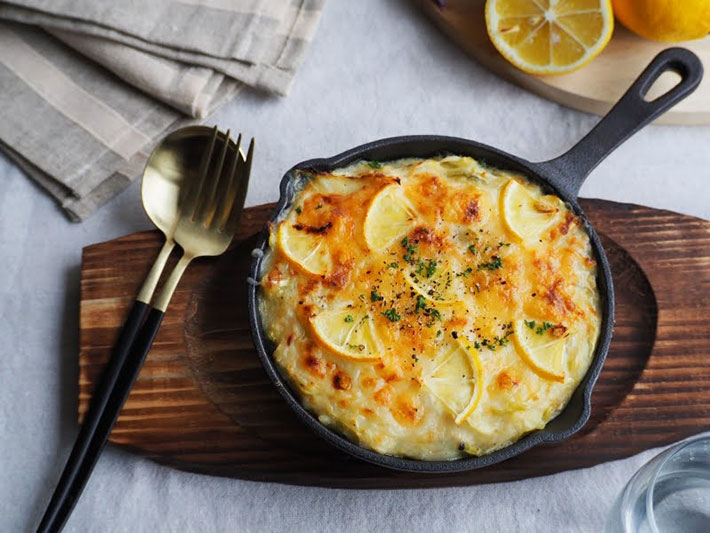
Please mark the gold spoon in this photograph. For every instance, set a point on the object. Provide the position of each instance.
(173, 160)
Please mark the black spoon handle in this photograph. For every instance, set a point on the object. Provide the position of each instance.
(116, 384)
(630, 114)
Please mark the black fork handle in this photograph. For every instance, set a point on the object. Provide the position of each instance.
(120, 374)
(630, 114)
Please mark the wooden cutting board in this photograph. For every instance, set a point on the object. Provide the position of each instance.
(203, 403)
(593, 88)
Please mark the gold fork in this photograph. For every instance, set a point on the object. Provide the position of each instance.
(208, 219)
(209, 212)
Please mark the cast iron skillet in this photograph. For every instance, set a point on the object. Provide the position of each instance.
(563, 176)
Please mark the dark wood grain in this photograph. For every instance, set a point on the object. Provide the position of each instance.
(203, 403)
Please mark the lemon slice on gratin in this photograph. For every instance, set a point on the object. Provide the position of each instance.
(333, 184)
(542, 351)
(347, 333)
(549, 36)
(389, 217)
(524, 215)
(454, 378)
(306, 251)
(436, 283)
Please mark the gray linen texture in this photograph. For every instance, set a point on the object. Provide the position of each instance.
(82, 129)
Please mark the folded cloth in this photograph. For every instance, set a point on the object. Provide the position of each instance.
(218, 28)
(258, 42)
(73, 127)
(196, 91)
(82, 133)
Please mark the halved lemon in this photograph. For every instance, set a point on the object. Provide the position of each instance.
(437, 283)
(348, 333)
(389, 217)
(454, 378)
(549, 36)
(524, 215)
(305, 251)
(540, 350)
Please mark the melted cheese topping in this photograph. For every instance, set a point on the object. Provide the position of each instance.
(427, 346)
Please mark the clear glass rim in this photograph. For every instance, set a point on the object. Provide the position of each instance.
(674, 451)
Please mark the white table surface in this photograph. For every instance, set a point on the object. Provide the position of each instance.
(375, 69)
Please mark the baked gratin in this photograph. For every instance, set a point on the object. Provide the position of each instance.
(430, 308)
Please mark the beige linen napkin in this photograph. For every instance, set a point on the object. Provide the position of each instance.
(258, 42)
(194, 90)
(229, 29)
(81, 132)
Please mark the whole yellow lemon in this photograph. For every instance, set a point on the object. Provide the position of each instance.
(665, 20)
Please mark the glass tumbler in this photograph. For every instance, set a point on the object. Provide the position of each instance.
(669, 493)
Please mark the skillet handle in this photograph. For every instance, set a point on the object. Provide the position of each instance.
(630, 114)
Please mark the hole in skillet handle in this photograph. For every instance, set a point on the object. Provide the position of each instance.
(631, 113)
(663, 84)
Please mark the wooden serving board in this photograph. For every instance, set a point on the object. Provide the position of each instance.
(203, 403)
(593, 88)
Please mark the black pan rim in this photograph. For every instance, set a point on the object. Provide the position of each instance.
(409, 146)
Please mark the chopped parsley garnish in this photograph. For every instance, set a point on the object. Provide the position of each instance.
(299, 210)
(472, 249)
(374, 164)
(392, 314)
(545, 326)
(358, 347)
(421, 303)
(501, 244)
(349, 318)
(426, 269)
(319, 206)
(494, 264)
(411, 250)
(374, 297)
(362, 297)
(438, 333)
(464, 273)
(495, 342)
(502, 341)
(530, 323)
(394, 264)
(416, 359)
